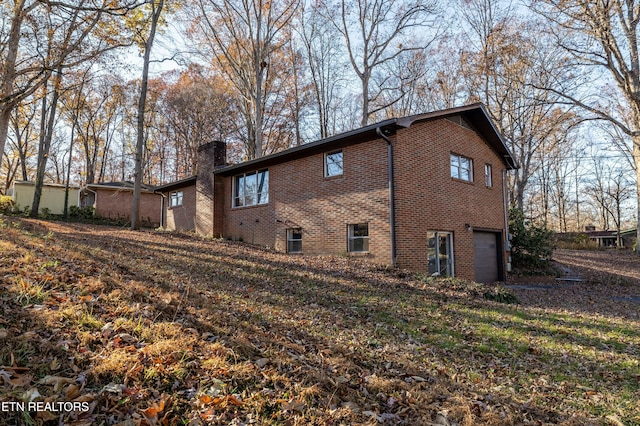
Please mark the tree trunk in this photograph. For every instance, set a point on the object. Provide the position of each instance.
(636, 159)
(45, 143)
(9, 73)
(142, 102)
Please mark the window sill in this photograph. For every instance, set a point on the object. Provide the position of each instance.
(358, 253)
(249, 207)
(468, 182)
(334, 177)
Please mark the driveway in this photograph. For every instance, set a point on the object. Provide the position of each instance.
(596, 282)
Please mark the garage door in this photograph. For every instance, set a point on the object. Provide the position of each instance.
(485, 249)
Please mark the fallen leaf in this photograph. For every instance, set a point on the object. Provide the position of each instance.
(234, 401)
(72, 391)
(57, 382)
(21, 380)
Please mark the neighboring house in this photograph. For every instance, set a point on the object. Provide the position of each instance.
(52, 197)
(424, 192)
(606, 239)
(113, 200)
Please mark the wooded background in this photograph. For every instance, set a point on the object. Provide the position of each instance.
(86, 95)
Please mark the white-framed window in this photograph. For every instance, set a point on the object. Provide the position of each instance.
(333, 164)
(440, 253)
(251, 189)
(488, 178)
(294, 240)
(175, 198)
(461, 167)
(359, 238)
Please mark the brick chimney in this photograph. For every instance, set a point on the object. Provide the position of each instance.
(210, 156)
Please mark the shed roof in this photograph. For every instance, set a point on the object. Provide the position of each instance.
(118, 186)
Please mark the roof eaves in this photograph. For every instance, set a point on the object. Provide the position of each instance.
(177, 184)
(309, 147)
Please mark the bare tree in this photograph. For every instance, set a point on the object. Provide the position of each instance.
(323, 56)
(609, 188)
(31, 50)
(601, 37)
(504, 76)
(242, 37)
(376, 32)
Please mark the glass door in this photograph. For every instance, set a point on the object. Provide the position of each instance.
(440, 254)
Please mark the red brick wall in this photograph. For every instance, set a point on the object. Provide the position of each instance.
(301, 197)
(429, 199)
(426, 198)
(181, 218)
(116, 204)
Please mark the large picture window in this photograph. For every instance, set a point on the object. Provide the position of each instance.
(359, 238)
(440, 253)
(333, 164)
(251, 189)
(461, 167)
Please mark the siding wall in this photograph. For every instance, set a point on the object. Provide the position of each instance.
(52, 197)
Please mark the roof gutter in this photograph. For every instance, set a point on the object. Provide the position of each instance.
(392, 209)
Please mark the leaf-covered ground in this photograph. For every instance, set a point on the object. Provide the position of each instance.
(151, 328)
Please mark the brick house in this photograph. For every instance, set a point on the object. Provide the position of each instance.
(178, 204)
(443, 211)
(113, 200)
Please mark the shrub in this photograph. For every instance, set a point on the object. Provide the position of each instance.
(45, 213)
(6, 204)
(501, 295)
(81, 212)
(531, 245)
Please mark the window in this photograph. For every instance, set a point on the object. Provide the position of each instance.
(488, 179)
(175, 198)
(359, 238)
(440, 254)
(461, 167)
(251, 189)
(333, 164)
(294, 240)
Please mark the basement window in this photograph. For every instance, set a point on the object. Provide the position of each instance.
(359, 238)
(294, 240)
